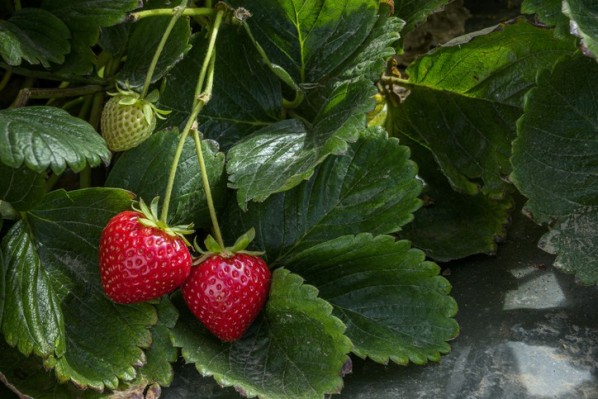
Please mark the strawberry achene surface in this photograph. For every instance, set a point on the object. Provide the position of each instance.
(226, 293)
(139, 263)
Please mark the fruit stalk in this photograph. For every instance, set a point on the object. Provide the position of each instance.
(159, 12)
(177, 12)
(200, 99)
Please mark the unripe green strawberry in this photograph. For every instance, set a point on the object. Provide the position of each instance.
(128, 120)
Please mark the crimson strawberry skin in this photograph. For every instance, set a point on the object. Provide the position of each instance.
(226, 293)
(139, 263)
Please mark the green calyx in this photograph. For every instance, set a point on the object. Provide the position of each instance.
(213, 248)
(150, 219)
(147, 104)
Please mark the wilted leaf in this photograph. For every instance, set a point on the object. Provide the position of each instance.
(394, 303)
(554, 161)
(40, 137)
(296, 349)
(144, 171)
(372, 188)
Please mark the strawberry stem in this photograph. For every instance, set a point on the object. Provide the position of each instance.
(176, 14)
(200, 99)
(160, 12)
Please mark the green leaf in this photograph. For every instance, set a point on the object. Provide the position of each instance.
(34, 35)
(143, 42)
(162, 353)
(55, 306)
(453, 225)
(84, 19)
(470, 139)
(393, 302)
(256, 165)
(96, 13)
(310, 39)
(2, 285)
(187, 380)
(549, 13)
(372, 188)
(584, 22)
(369, 60)
(33, 320)
(28, 377)
(144, 170)
(246, 95)
(415, 11)
(554, 160)
(40, 137)
(21, 187)
(295, 350)
(466, 96)
(498, 66)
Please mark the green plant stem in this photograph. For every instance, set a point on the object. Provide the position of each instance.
(51, 182)
(26, 94)
(161, 12)
(280, 72)
(206, 184)
(5, 79)
(176, 14)
(396, 80)
(199, 102)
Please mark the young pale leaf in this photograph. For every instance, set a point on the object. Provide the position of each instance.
(162, 353)
(415, 11)
(499, 67)
(372, 188)
(310, 39)
(58, 309)
(246, 95)
(142, 170)
(394, 303)
(34, 35)
(22, 187)
(145, 37)
(554, 161)
(280, 156)
(40, 137)
(584, 22)
(453, 225)
(296, 349)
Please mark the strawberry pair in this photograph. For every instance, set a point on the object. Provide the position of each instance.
(141, 258)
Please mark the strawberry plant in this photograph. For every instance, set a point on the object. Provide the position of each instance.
(355, 166)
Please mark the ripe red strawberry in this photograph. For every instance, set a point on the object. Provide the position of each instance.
(127, 120)
(139, 259)
(227, 292)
